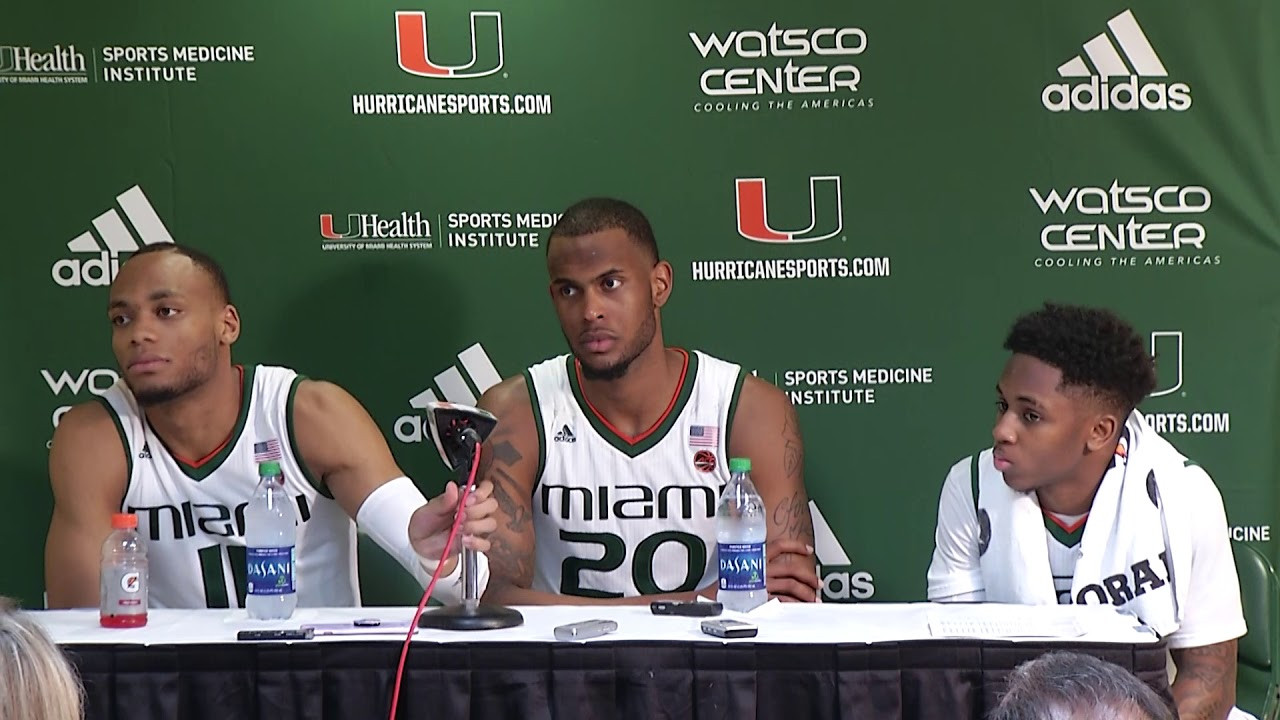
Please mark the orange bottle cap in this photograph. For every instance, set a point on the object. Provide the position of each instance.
(124, 521)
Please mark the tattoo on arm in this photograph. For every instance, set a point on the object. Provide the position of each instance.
(792, 515)
(1206, 680)
(493, 466)
(792, 449)
(509, 561)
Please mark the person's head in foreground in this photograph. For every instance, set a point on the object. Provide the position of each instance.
(36, 681)
(1072, 686)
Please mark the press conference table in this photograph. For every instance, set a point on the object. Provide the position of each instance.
(873, 660)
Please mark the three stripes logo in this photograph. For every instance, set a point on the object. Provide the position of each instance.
(565, 435)
(826, 211)
(110, 237)
(839, 581)
(455, 389)
(1092, 86)
(416, 59)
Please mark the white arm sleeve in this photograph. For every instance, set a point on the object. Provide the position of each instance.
(954, 573)
(384, 516)
(1213, 613)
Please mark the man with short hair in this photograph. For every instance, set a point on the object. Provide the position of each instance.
(1080, 501)
(607, 462)
(177, 441)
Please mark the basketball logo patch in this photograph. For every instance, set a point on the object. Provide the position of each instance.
(705, 461)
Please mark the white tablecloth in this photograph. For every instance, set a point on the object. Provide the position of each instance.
(777, 622)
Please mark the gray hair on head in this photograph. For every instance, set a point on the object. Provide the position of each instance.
(1073, 686)
(36, 681)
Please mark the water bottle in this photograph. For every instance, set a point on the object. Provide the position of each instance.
(123, 575)
(271, 532)
(740, 533)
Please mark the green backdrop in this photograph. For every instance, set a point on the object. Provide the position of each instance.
(857, 198)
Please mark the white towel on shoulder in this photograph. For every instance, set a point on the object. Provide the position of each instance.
(1131, 556)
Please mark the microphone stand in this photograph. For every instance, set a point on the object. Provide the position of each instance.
(470, 614)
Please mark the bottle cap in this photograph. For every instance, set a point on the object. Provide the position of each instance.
(268, 468)
(124, 521)
(737, 465)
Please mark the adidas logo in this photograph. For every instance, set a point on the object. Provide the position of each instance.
(565, 435)
(837, 585)
(113, 237)
(451, 383)
(1108, 60)
(145, 453)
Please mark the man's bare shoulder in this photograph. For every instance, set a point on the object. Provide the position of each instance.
(87, 443)
(84, 427)
(764, 393)
(320, 396)
(509, 396)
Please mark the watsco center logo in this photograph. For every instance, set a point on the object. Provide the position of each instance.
(424, 51)
(96, 258)
(761, 221)
(455, 389)
(61, 65)
(1167, 348)
(781, 69)
(1117, 76)
(415, 230)
(1119, 225)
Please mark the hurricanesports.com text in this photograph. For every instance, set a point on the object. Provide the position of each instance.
(790, 268)
(449, 104)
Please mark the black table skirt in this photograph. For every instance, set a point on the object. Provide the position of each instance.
(642, 680)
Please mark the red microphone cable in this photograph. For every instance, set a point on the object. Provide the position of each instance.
(426, 596)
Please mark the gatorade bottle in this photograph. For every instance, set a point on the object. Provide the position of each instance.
(123, 575)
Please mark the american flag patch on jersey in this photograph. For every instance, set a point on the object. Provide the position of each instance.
(703, 435)
(264, 451)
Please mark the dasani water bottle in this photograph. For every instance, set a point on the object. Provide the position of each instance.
(271, 532)
(740, 534)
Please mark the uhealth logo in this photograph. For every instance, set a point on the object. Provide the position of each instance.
(415, 57)
(113, 238)
(1098, 92)
(826, 211)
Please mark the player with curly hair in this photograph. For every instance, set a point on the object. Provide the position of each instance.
(1080, 501)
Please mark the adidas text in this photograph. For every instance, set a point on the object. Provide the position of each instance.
(1098, 94)
(98, 271)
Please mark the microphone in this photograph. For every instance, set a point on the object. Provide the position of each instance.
(458, 431)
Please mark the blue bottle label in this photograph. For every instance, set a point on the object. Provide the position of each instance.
(741, 566)
(270, 570)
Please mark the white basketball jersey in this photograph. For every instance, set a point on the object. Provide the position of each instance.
(191, 513)
(623, 516)
(1063, 544)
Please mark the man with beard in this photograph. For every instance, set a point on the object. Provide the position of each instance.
(607, 461)
(176, 441)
